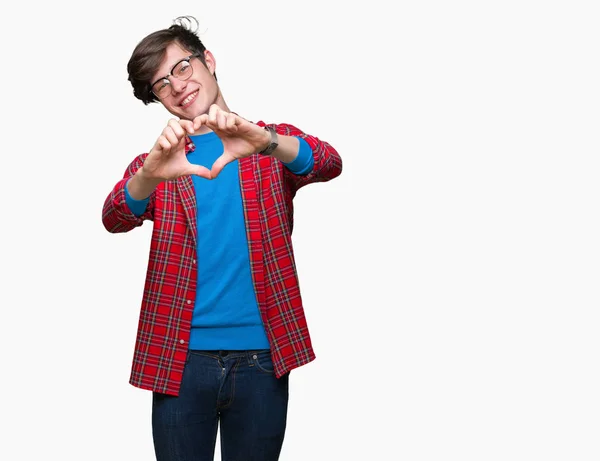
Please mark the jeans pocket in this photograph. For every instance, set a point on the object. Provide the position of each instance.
(262, 360)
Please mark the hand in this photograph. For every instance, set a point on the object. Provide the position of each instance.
(240, 137)
(167, 159)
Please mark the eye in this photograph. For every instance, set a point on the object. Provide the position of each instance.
(162, 84)
(182, 68)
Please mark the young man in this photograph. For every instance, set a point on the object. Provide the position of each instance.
(221, 322)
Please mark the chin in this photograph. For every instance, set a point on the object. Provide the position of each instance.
(194, 110)
(186, 114)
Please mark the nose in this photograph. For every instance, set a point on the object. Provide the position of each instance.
(177, 85)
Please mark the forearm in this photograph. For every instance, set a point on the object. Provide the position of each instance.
(287, 150)
(140, 187)
(327, 161)
(116, 213)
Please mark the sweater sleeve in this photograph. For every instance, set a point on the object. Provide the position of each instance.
(304, 162)
(117, 216)
(327, 161)
(137, 207)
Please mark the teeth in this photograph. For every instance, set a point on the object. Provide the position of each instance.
(189, 98)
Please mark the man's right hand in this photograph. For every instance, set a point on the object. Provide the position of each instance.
(166, 160)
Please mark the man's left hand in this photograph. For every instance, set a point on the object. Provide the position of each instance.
(240, 137)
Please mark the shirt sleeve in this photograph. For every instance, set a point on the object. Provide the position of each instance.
(137, 207)
(303, 164)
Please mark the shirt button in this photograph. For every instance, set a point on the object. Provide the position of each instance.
(193, 261)
(181, 341)
(189, 302)
(254, 356)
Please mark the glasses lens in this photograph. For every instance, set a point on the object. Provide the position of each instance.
(183, 70)
(162, 88)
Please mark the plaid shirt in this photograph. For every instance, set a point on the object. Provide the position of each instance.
(170, 289)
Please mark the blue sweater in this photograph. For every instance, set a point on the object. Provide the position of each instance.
(226, 314)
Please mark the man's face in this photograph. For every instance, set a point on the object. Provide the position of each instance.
(192, 97)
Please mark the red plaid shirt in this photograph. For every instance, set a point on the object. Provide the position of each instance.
(170, 289)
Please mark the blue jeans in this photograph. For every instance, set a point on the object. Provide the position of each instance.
(236, 389)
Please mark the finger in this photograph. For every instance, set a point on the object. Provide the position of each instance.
(188, 126)
(165, 145)
(232, 123)
(200, 170)
(182, 142)
(171, 136)
(177, 128)
(222, 120)
(199, 121)
(219, 164)
(212, 114)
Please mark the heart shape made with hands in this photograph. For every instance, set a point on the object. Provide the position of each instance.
(240, 137)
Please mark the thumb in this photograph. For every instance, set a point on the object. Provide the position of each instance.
(219, 164)
(200, 170)
(182, 142)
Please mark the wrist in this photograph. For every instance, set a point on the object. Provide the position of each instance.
(144, 178)
(266, 140)
(140, 186)
(272, 143)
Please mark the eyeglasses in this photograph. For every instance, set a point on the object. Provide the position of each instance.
(181, 71)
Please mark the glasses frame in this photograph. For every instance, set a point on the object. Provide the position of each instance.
(170, 74)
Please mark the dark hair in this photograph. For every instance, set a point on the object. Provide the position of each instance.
(149, 53)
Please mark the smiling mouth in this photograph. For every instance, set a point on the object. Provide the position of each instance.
(187, 101)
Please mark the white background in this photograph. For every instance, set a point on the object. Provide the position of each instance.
(450, 274)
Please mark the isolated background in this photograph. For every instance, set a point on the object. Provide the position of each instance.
(450, 274)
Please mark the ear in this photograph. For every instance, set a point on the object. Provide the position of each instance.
(211, 63)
